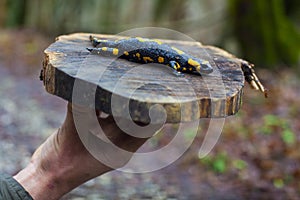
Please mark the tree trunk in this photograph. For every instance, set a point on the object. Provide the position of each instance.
(265, 34)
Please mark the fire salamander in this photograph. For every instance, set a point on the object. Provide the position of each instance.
(143, 50)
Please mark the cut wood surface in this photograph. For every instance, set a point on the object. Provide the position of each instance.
(142, 91)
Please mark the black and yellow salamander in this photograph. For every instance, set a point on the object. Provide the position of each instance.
(143, 50)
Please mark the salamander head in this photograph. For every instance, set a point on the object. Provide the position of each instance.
(201, 66)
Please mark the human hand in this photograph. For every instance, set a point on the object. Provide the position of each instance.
(63, 162)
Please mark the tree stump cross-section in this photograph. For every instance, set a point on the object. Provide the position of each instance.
(142, 92)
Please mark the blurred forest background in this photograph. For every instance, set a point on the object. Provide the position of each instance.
(266, 32)
(257, 156)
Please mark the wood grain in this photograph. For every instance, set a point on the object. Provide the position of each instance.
(127, 89)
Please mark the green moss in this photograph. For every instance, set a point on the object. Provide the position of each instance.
(278, 183)
(239, 164)
(288, 137)
(217, 163)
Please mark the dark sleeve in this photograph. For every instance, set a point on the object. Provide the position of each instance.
(10, 189)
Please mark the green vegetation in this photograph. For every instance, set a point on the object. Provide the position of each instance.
(15, 13)
(288, 136)
(265, 33)
(218, 163)
(221, 162)
(273, 124)
(278, 183)
(239, 164)
(270, 123)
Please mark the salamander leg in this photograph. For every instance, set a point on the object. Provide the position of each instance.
(173, 64)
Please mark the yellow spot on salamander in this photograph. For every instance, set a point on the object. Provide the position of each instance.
(178, 50)
(191, 69)
(205, 62)
(193, 63)
(147, 59)
(126, 53)
(115, 51)
(141, 39)
(104, 48)
(184, 69)
(177, 66)
(157, 41)
(160, 59)
(138, 55)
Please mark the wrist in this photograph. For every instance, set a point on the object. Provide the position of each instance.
(38, 184)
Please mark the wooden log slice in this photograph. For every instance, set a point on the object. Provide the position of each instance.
(142, 91)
